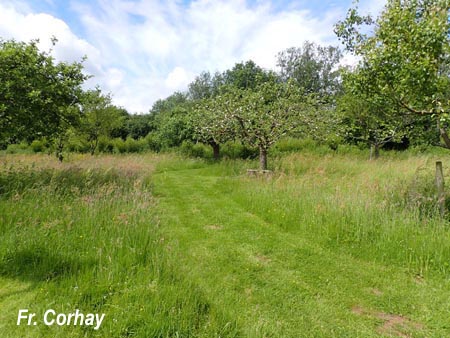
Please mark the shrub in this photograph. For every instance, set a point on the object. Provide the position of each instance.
(119, 146)
(39, 146)
(105, 145)
(200, 150)
(21, 148)
(77, 144)
(293, 145)
(235, 150)
(153, 142)
(130, 145)
(135, 146)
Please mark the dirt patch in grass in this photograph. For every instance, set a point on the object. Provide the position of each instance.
(213, 227)
(263, 259)
(393, 325)
(376, 292)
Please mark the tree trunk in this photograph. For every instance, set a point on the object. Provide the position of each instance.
(445, 137)
(59, 150)
(216, 150)
(60, 156)
(262, 158)
(374, 151)
(94, 145)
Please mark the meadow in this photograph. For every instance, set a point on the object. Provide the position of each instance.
(329, 245)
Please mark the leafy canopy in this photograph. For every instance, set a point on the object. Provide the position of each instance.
(407, 57)
(38, 96)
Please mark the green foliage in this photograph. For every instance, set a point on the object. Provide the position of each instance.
(170, 121)
(100, 117)
(247, 75)
(365, 116)
(137, 126)
(40, 146)
(18, 148)
(38, 97)
(105, 145)
(229, 150)
(405, 62)
(313, 68)
(153, 142)
(294, 145)
(77, 143)
(205, 86)
(135, 146)
(267, 114)
(130, 145)
(199, 150)
(238, 150)
(211, 121)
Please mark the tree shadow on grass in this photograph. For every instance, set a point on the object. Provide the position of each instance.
(37, 264)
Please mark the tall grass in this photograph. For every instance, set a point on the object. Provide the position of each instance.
(174, 247)
(86, 238)
(382, 210)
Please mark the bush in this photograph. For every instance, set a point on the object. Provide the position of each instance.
(294, 145)
(290, 145)
(153, 142)
(39, 146)
(77, 144)
(135, 146)
(105, 145)
(235, 150)
(119, 146)
(200, 150)
(21, 148)
(130, 145)
(230, 150)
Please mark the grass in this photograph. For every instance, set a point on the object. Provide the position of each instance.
(83, 236)
(329, 246)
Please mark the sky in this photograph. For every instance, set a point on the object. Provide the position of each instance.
(144, 50)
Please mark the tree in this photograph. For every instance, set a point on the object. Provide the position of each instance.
(246, 75)
(169, 120)
(100, 117)
(266, 114)
(38, 97)
(205, 86)
(211, 118)
(314, 68)
(135, 126)
(365, 116)
(212, 122)
(406, 57)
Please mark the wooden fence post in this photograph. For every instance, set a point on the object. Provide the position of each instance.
(440, 188)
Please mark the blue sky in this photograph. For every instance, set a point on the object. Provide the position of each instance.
(144, 50)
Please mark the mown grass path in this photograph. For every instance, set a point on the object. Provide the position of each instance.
(280, 283)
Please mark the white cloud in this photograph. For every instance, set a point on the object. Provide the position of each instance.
(144, 50)
(115, 77)
(23, 25)
(178, 79)
(28, 26)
